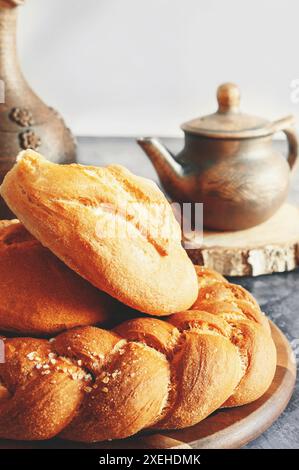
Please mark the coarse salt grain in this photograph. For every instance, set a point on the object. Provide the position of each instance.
(31, 355)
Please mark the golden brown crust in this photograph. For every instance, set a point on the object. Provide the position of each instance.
(68, 209)
(91, 384)
(39, 294)
(230, 301)
(101, 384)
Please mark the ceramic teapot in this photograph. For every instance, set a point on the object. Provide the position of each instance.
(229, 164)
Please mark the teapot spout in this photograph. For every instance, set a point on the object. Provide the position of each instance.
(167, 168)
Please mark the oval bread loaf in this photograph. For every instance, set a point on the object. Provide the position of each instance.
(38, 293)
(115, 229)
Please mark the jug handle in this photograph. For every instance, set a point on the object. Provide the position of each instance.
(286, 125)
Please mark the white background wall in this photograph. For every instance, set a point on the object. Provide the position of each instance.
(131, 67)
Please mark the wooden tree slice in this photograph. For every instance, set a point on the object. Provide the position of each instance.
(270, 247)
(227, 428)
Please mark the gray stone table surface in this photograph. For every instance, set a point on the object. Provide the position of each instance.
(278, 294)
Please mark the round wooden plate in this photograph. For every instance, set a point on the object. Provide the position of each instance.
(228, 428)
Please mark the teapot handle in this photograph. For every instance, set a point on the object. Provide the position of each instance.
(285, 125)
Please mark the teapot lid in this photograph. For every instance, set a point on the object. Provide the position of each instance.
(228, 122)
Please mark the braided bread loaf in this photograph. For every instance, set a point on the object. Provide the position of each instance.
(90, 384)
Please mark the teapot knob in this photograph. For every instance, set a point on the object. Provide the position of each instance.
(228, 96)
